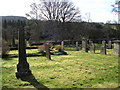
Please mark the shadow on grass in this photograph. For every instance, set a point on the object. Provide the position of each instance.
(9, 56)
(32, 80)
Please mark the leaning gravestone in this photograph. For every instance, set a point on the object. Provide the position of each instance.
(109, 44)
(116, 50)
(84, 45)
(103, 47)
(77, 49)
(47, 49)
(92, 46)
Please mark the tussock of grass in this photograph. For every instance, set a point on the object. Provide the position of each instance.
(75, 70)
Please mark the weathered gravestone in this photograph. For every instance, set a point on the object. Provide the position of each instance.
(109, 44)
(84, 45)
(62, 45)
(90, 42)
(47, 49)
(92, 46)
(103, 47)
(77, 49)
(116, 50)
(22, 66)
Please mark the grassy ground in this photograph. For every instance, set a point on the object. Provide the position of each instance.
(75, 70)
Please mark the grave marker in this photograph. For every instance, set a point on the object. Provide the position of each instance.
(103, 47)
(62, 45)
(109, 44)
(47, 49)
(90, 42)
(84, 45)
(92, 47)
(116, 50)
(77, 49)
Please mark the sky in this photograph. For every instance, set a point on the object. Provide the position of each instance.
(99, 10)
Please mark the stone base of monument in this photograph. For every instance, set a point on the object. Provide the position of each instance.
(23, 71)
(22, 75)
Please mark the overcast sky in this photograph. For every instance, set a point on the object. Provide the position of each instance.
(100, 10)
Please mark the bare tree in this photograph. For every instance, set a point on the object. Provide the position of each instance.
(59, 10)
(116, 9)
(116, 6)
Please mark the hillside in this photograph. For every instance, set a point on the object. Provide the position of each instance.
(15, 18)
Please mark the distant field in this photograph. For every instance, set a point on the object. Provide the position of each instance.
(75, 70)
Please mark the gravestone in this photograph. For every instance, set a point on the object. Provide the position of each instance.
(47, 49)
(109, 44)
(116, 50)
(103, 47)
(22, 66)
(90, 42)
(84, 45)
(77, 49)
(62, 45)
(92, 47)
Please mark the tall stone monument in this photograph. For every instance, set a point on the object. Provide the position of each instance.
(22, 66)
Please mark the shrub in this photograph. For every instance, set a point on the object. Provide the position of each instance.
(59, 48)
(41, 48)
(54, 50)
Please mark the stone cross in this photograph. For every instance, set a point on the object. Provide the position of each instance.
(84, 45)
(116, 50)
(103, 47)
(47, 49)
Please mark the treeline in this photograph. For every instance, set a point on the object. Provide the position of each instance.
(36, 31)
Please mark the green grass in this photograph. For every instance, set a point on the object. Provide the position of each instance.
(75, 70)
